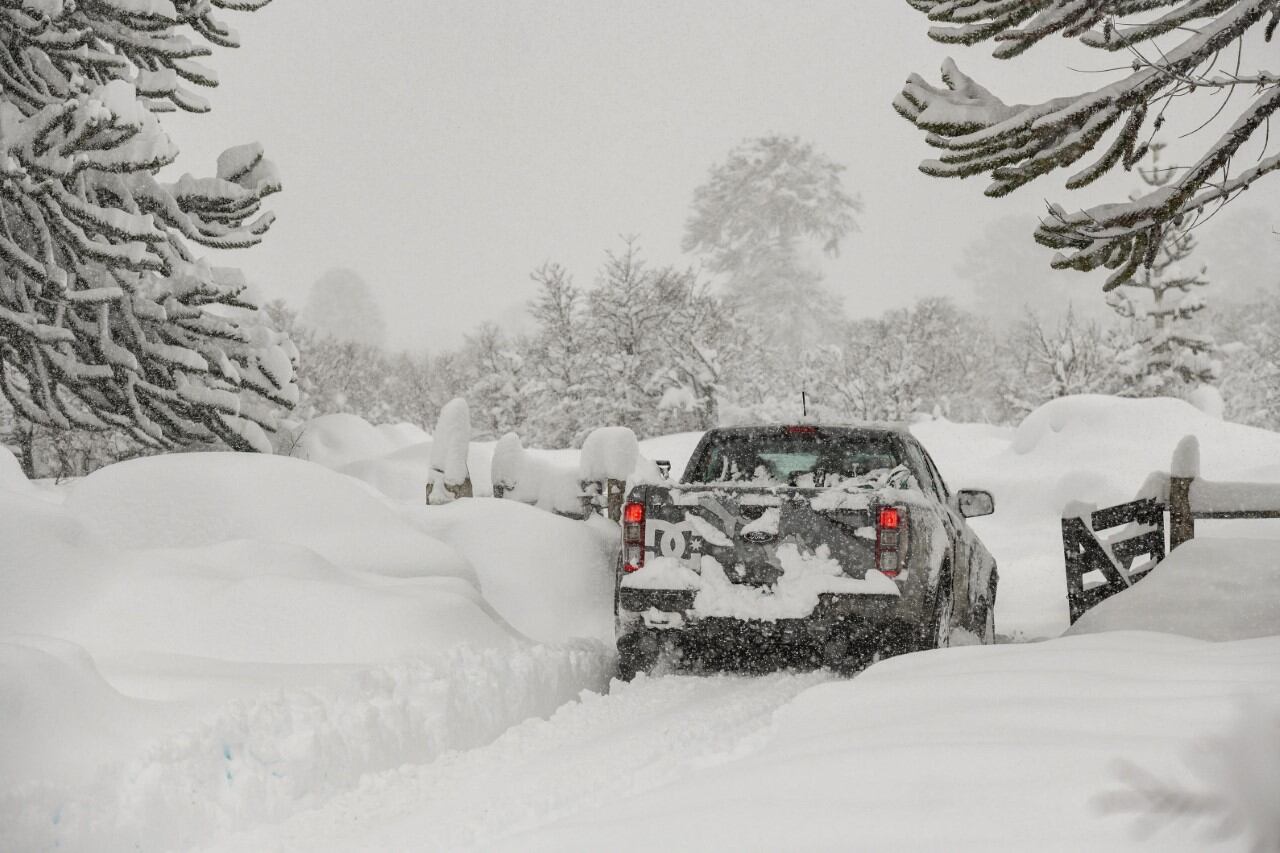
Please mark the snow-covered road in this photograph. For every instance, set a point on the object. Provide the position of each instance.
(603, 749)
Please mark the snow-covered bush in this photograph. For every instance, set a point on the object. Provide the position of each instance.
(609, 453)
(449, 475)
(508, 464)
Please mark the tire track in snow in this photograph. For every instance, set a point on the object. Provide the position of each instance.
(593, 751)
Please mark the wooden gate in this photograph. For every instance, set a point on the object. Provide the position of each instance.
(1111, 557)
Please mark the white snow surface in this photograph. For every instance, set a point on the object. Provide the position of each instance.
(1209, 588)
(1016, 747)
(264, 653)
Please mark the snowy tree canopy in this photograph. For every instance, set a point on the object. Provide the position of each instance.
(342, 306)
(107, 318)
(750, 220)
(1170, 49)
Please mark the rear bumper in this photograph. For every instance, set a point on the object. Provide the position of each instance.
(851, 615)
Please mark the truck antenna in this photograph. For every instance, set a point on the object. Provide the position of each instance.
(804, 404)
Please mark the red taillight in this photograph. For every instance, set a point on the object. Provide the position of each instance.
(891, 540)
(801, 429)
(632, 536)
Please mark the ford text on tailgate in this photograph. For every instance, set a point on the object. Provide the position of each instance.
(826, 543)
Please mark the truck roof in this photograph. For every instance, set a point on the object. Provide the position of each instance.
(869, 426)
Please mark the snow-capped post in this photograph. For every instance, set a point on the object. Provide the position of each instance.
(450, 478)
(608, 458)
(508, 464)
(1184, 468)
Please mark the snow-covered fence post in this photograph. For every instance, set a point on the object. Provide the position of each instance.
(608, 458)
(450, 478)
(508, 464)
(1184, 468)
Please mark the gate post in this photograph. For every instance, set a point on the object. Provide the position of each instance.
(1182, 527)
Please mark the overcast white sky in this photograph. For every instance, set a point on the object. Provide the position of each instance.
(444, 149)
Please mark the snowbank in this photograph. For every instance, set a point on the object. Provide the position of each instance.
(264, 758)
(337, 440)
(550, 577)
(199, 499)
(1212, 589)
(59, 719)
(239, 637)
(11, 476)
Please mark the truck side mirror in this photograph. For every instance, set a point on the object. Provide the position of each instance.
(664, 468)
(972, 503)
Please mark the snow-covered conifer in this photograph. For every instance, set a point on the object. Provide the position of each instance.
(341, 306)
(1168, 49)
(751, 221)
(107, 317)
(555, 359)
(1169, 356)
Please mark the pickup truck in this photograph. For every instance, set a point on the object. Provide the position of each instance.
(833, 543)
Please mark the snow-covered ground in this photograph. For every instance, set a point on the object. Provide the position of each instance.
(268, 652)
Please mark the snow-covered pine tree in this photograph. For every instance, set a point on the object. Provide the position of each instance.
(751, 220)
(1171, 49)
(496, 393)
(1168, 356)
(555, 360)
(342, 306)
(107, 317)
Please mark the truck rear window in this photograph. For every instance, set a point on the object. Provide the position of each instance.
(806, 460)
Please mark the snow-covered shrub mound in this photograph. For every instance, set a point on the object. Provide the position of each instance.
(337, 440)
(199, 499)
(450, 444)
(550, 577)
(608, 453)
(1208, 588)
(1129, 438)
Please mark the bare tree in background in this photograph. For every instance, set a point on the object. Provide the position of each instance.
(1170, 48)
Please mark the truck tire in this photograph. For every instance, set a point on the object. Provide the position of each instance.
(937, 633)
(988, 624)
(637, 652)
